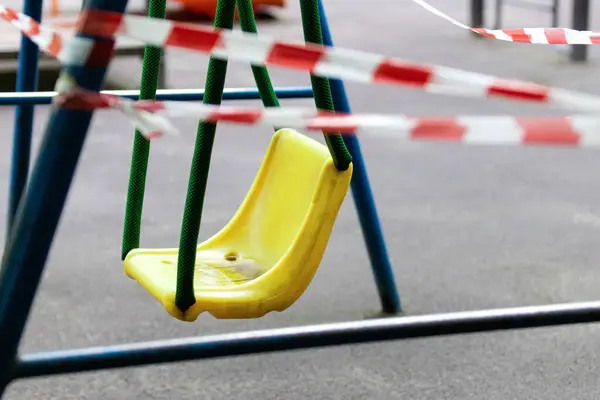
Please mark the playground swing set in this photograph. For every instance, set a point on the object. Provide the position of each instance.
(255, 264)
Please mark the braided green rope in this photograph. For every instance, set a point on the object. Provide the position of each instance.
(184, 296)
(311, 25)
(261, 75)
(192, 214)
(141, 146)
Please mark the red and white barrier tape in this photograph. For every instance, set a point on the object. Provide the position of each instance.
(329, 62)
(524, 35)
(318, 60)
(151, 118)
(573, 131)
(68, 51)
(150, 124)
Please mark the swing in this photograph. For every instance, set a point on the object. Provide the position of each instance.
(266, 256)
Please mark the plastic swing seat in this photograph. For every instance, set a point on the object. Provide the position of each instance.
(266, 256)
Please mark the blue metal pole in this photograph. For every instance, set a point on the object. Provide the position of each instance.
(286, 92)
(39, 211)
(363, 198)
(27, 76)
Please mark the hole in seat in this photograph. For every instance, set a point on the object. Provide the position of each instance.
(232, 256)
(167, 262)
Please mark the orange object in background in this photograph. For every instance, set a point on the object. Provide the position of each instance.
(202, 7)
(54, 8)
(209, 7)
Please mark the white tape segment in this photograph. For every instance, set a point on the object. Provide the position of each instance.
(524, 35)
(318, 60)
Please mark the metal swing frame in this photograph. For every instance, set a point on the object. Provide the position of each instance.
(34, 215)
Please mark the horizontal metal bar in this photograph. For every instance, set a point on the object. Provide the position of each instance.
(532, 5)
(38, 98)
(302, 337)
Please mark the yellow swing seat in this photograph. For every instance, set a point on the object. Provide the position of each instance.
(266, 256)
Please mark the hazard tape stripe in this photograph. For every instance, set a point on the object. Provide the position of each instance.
(574, 131)
(524, 35)
(151, 124)
(151, 118)
(325, 61)
(70, 51)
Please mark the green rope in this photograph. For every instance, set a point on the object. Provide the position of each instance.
(192, 214)
(141, 146)
(311, 25)
(261, 75)
(185, 297)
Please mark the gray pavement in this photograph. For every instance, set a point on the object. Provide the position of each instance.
(467, 228)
